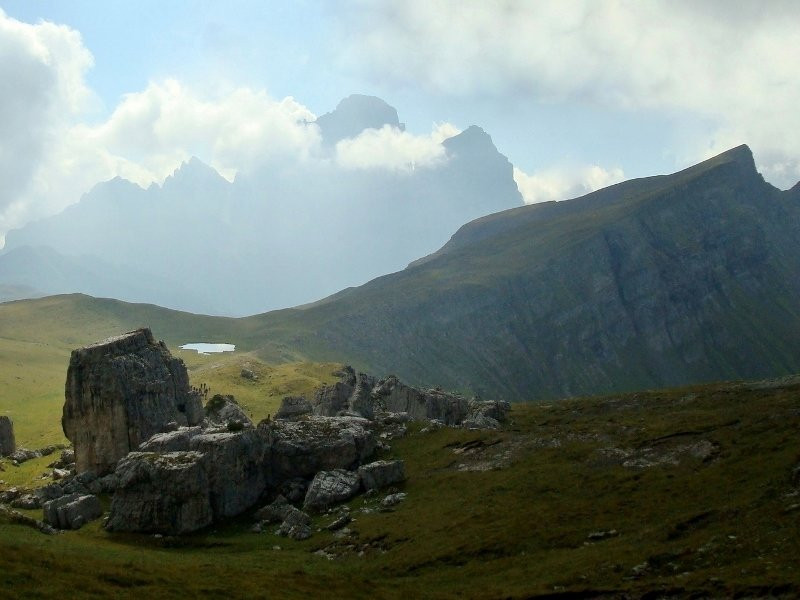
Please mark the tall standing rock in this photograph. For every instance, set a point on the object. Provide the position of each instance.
(120, 392)
(7, 442)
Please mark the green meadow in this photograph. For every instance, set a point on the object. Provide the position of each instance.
(690, 492)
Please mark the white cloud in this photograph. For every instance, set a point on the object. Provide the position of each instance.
(393, 149)
(564, 183)
(42, 68)
(152, 131)
(732, 63)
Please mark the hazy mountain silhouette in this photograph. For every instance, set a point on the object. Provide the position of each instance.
(277, 236)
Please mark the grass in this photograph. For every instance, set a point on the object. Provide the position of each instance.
(719, 523)
(222, 374)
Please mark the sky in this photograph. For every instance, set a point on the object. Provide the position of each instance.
(577, 94)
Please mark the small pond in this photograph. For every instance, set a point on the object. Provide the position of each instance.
(204, 348)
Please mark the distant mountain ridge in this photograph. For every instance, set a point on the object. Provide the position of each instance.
(650, 283)
(277, 236)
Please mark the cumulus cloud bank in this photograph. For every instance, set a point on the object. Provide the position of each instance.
(391, 148)
(734, 64)
(42, 68)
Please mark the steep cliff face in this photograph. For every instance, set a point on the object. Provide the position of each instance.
(119, 393)
(653, 282)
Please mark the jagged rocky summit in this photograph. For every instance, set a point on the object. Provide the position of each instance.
(175, 467)
(119, 393)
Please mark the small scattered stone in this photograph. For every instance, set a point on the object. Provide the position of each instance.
(393, 499)
(60, 474)
(597, 536)
(27, 502)
(339, 523)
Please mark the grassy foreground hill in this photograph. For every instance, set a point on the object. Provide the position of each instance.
(684, 493)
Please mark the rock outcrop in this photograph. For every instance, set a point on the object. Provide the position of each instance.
(187, 479)
(7, 442)
(121, 391)
(361, 394)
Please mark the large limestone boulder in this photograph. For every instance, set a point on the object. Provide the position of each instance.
(7, 442)
(382, 473)
(236, 465)
(121, 391)
(161, 493)
(72, 511)
(331, 487)
(303, 448)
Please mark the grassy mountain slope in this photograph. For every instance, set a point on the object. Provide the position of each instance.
(37, 336)
(649, 283)
(684, 493)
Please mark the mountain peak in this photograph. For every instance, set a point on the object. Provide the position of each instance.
(741, 156)
(353, 115)
(473, 141)
(194, 170)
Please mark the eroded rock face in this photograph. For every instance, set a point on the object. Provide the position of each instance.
(161, 493)
(7, 442)
(119, 392)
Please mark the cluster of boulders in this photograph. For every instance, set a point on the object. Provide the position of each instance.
(174, 466)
